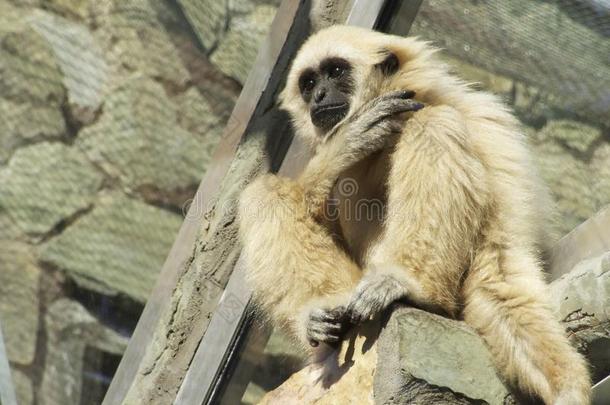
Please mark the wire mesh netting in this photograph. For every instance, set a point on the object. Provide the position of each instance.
(550, 61)
(109, 113)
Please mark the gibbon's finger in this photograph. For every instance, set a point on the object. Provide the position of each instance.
(361, 312)
(399, 94)
(382, 101)
(328, 328)
(400, 105)
(338, 313)
(322, 315)
(323, 337)
(389, 109)
(391, 126)
(318, 314)
(357, 308)
(393, 106)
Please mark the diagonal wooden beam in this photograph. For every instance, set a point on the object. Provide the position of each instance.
(7, 391)
(589, 239)
(254, 97)
(201, 384)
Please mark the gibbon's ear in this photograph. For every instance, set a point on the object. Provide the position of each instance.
(390, 63)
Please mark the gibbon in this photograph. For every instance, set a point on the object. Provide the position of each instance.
(462, 210)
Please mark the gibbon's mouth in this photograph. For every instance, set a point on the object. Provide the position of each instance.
(328, 116)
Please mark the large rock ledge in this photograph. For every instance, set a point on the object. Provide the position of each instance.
(427, 359)
(422, 358)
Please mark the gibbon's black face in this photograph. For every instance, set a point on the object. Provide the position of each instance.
(327, 90)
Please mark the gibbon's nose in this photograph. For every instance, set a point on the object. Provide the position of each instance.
(319, 94)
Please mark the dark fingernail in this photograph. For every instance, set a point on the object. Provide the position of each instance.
(417, 106)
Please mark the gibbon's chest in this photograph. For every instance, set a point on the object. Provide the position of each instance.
(358, 201)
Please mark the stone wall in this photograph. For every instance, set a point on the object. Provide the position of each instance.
(109, 113)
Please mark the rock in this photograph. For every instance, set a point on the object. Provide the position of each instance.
(28, 69)
(23, 122)
(570, 182)
(71, 330)
(11, 17)
(280, 359)
(345, 377)
(24, 389)
(531, 104)
(45, 184)
(238, 49)
(574, 134)
(456, 368)
(80, 59)
(196, 115)
(19, 289)
(8, 229)
(78, 9)
(600, 167)
(423, 358)
(209, 19)
(484, 79)
(139, 141)
(390, 369)
(119, 247)
(581, 298)
(134, 41)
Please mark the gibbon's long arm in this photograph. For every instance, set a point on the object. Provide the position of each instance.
(424, 258)
(296, 270)
(434, 212)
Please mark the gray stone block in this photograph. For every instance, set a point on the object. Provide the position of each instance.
(44, 184)
(138, 140)
(581, 299)
(238, 49)
(19, 292)
(209, 19)
(455, 369)
(117, 248)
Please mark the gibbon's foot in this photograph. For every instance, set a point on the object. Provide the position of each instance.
(374, 294)
(326, 326)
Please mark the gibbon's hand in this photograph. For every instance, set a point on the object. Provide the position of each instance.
(373, 294)
(327, 326)
(369, 129)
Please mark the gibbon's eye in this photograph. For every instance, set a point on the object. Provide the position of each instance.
(335, 68)
(307, 82)
(336, 72)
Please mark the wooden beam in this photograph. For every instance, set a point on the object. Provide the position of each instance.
(601, 392)
(589, 239)
(7, 390)
(181, 251)
(201, 383)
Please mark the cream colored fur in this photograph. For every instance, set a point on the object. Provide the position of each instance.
(465, 216)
